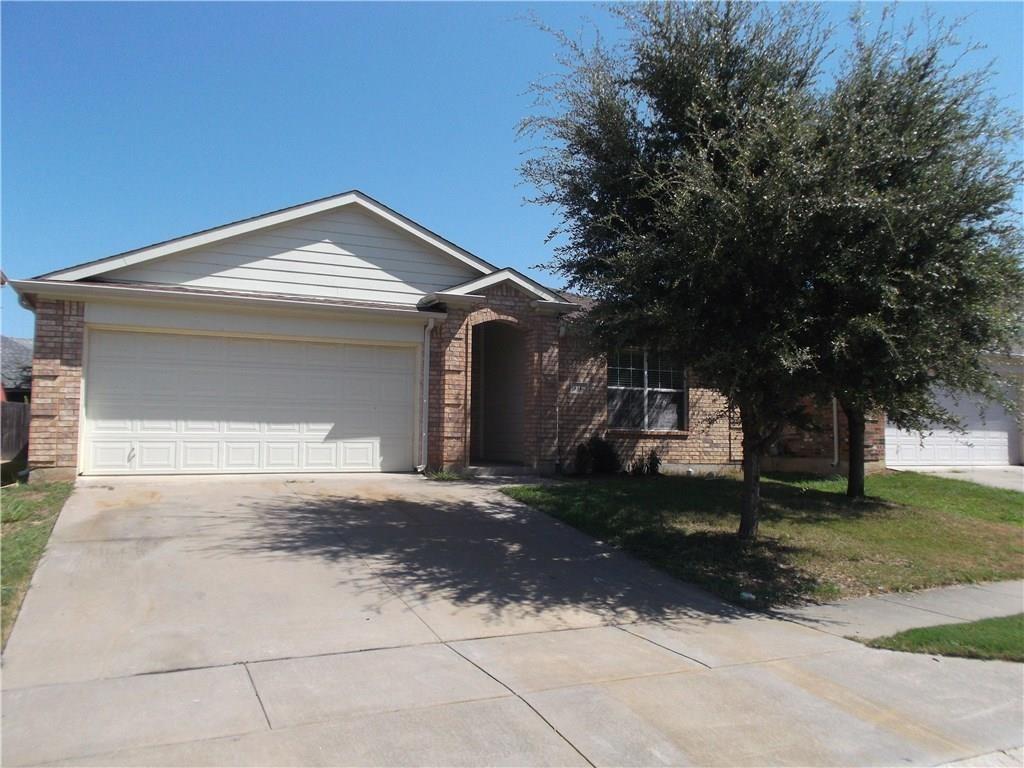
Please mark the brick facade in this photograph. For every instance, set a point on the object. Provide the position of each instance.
(813, 449)
(713, 439)
(713, 436)
(56, 387)
(451, 367)
(565, 390)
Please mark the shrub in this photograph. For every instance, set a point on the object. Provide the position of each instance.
(443, 475)
(584, 463)
(646, 466)
(604, 460)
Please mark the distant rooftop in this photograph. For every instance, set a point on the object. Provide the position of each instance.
(15, 362)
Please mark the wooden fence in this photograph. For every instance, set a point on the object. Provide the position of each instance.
(13, 429)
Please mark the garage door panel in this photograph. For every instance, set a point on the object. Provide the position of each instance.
(157, 385)
(322, 389)
(395, 421)
(111, 454)
(394, 452)
(203, 384)
(282, 456)
(394, 390)
(323, 356)
(160, 425)
(318, 430)
(356, 357)
(240, 455)
(283, 427)
(358, 454)
(359, 388)
(397, 360)
(321, 455)
(199, 426)
(178, 403)
(242, 352)
(198, 351)
(355, 421)
(112, 426)
(199, 456)
(156, 455)
(278, 386)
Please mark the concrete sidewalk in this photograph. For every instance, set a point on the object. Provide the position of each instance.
(880, 615)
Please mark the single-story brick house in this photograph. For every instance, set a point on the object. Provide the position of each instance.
(339, 335)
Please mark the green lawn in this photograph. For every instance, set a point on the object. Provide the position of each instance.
(914, 531)
(27, 515)
(1001, 638)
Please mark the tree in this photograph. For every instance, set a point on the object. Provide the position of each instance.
(921, 253)
(683, 166)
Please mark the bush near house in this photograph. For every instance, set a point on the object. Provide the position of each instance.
(914, 531)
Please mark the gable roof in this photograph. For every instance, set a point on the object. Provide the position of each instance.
(263, 221)
(468, 290)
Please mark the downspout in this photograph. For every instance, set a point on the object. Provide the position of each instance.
(558, 398)
(835, 433)
(424, 406)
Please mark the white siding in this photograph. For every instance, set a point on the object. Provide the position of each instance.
(347, 253)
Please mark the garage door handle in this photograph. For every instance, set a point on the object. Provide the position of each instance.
(131, 455)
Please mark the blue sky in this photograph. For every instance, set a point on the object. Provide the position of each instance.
(125, 124)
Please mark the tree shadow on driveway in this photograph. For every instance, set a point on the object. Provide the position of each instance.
(482, 552)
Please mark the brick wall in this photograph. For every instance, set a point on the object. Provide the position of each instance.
(451, 366)
(56, 386)
(818, 443)
(713, 436)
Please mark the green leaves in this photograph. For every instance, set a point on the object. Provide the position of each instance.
(921, 254)
(785, 237)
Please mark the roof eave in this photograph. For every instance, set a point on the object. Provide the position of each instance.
(87, 291)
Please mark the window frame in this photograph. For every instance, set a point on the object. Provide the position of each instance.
(684, 424)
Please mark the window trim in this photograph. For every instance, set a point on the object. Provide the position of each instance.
(685, 390)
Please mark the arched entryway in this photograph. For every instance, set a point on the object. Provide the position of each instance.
(498, 395)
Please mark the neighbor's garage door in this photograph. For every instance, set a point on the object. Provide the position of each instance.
(990, 439)
(161, 403)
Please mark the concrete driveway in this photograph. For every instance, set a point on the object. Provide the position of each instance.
(389, 620)
(1011, 478)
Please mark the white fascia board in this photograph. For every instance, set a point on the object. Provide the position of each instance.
(100, 291)
(450, 298)
(466, 299)
(501, 276)
(265, 221)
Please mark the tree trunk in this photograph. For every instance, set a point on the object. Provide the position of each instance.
(750, 504)
(855, 474)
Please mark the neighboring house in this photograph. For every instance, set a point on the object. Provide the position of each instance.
(991, 435)
(339, 335)
(16, 368)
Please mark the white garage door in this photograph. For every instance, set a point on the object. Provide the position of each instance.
(990, 439)
(162, 403)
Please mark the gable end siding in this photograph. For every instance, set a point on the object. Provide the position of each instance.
(343, 254)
